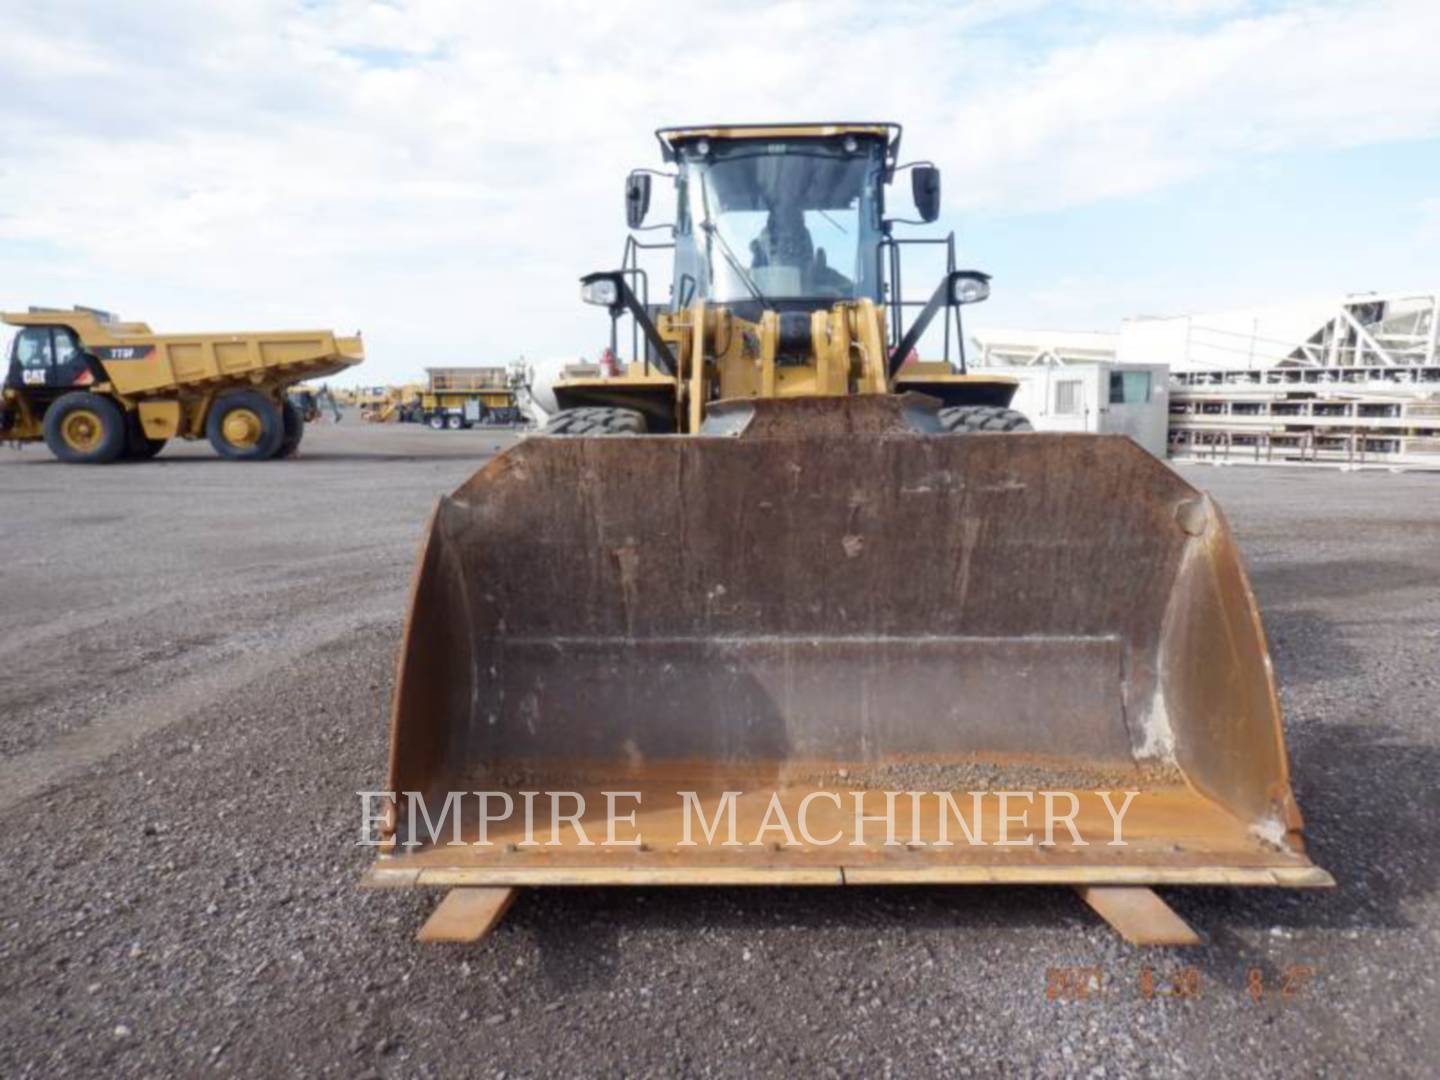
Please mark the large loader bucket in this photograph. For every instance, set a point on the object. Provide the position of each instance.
(860, 651)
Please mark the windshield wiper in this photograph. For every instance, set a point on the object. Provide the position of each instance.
(744, 275)
(712, 231)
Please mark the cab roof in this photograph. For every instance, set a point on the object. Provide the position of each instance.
(48, 316)
(79, 318)
(670, 138)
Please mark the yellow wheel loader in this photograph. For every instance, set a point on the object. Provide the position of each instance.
(779, 602)
(98, 389)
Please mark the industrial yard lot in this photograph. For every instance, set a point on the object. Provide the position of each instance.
(198, 658)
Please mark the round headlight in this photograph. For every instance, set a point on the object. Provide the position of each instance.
(970, 289)
(850, 144)
(602, 292)
(703, 147)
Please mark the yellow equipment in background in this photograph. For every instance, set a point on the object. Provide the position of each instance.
(388, 404)
(312, 402)
(818, 574)
(96, 388)
(461, 397)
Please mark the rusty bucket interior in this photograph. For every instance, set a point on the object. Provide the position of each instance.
(818, 613)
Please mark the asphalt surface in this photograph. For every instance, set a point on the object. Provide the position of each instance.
(197, 661)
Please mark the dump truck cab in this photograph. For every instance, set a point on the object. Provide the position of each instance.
(47, 359)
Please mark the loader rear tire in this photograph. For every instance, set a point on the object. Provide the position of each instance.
(85, 429)
(245, 425)
(982, 419)
(594, 420)
(294, 430)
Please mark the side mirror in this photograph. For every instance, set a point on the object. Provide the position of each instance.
(637, 198)
(925, 184)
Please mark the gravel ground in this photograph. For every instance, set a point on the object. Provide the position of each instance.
(199, 657)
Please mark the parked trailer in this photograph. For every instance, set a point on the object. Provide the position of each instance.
(461, 397)
(96, 388)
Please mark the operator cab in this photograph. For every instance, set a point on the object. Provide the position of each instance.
(789, 219)
(781, 220)
(46, 360)
(782, 217)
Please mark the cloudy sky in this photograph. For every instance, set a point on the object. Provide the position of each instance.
(439, 172)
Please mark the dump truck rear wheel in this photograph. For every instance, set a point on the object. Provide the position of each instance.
(972, 419)
(85, 429)
(594, 420)
(454, 423)
(245, 426)
(294, 430)
(138, 445)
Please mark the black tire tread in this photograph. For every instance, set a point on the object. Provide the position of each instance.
(983, 420)
(138, 445)
(593, 420)
(294, 429)
(264, 407)
(116, 436)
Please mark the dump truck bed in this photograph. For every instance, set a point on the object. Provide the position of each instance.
(140, 363)
(193, 361)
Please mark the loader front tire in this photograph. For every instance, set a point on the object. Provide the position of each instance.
(595, 420)
(85, 429)
(982, 419)
(294, 430)
(245, 425)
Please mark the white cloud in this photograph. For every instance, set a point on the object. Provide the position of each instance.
(440, 172)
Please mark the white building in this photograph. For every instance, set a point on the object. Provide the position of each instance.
(1096, 396)
(1359, 330)
(1005, 345)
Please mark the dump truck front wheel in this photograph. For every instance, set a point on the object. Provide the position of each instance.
(294, 430)
(85, 429)
(596, 421)
(245, 426)
(972, 419)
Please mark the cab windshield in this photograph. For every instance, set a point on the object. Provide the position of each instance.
(763, 220)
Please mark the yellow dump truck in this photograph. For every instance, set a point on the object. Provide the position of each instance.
(96, 388)
(461, 397)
